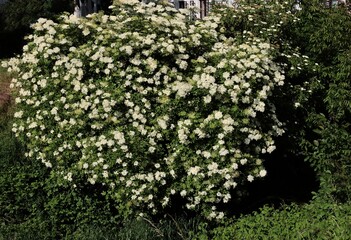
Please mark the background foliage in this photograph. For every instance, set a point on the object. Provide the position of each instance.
(16, 17)
(324, 35)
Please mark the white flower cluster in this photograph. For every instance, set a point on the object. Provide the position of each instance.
(149, 104)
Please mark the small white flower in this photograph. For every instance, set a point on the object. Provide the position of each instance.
(223, 152)
(243, 161)
(206, 154)
(91, 181)
(48, 164)
(165, 201)
(220, 215)
(263, 173)
(151, 149)
(54, 111)
(86, 32)
(162, 123)
(212, 166)
(18, 114)
(193, 170)
(129, 50)
(271, 149)
(207, 99)
(218, 115)
(212, 215)
(235, 166)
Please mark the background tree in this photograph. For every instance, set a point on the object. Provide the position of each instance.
(324, 35)
(16, 16)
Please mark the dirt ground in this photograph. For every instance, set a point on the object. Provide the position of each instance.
(5, 92)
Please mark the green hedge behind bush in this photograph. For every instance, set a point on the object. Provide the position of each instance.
(324, 35)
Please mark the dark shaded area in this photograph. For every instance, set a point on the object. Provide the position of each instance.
(11, 42)
(17, 15)
(289, 180)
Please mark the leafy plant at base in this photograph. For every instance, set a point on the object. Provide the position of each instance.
(317, 220)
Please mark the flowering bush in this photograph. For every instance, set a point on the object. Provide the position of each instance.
(145, 104)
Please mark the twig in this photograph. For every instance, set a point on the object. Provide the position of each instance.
(157, 230)
(180, 232)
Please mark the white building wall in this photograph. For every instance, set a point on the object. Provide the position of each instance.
(202, 6)
(199, 5)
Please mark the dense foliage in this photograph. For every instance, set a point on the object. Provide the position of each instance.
(324, 35)
(317, 220)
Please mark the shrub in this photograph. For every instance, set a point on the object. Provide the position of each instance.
(144, 105)
(323, 34)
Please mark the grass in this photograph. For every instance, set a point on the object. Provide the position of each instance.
(135, 229)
